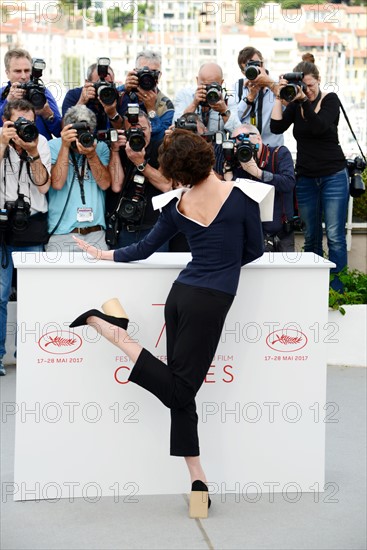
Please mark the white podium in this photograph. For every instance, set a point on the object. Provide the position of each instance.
(83, 430)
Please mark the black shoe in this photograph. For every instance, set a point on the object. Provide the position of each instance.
(121, 322)
(199, 500)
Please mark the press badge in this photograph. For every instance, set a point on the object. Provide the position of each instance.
(84, 215)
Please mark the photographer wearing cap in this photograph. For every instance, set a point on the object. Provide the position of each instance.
(24, 181)
(143, 82)
(255, 94)
(79, 178)
(19, 68)
(208, 100)
(130, 215)
(108, 114)
(271, 165)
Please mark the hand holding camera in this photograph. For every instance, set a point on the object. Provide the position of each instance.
(88, 93)
(291, 87)
(21, 132)
(35, 90)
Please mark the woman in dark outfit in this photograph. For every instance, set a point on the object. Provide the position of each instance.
(223, 228)
(322, 180)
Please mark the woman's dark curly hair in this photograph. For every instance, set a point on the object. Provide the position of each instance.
(185, 158)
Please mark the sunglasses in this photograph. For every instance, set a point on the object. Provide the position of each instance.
(241, 137)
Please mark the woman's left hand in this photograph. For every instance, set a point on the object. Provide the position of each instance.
(89, 248)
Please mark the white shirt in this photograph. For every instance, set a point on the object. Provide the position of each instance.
(9, 188)
(185, 96)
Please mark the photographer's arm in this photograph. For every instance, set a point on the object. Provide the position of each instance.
(116, 171)
(157, 179)
(51, 115)
(101, 172)
(153, 175)
(40, 175)
(327, 115)
(59, 170)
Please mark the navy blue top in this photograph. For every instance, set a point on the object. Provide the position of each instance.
(234, 238)
(46, 128)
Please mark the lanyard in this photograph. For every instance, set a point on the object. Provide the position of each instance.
(21, 164)
(80, 175)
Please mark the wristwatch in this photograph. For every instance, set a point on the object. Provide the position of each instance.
(152, 114)
(32, 159)
(114, 118)
(226, 113)
(141, 167)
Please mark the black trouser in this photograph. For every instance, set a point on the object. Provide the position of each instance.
(194, 321)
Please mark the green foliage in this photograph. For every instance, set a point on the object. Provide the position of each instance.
(355, 290)
(360, 204)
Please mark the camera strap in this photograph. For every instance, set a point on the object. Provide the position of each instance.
(6, 91)
(351, 129)
(79, 175)
(21, 164)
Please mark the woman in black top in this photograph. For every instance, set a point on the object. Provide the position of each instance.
(322, 179)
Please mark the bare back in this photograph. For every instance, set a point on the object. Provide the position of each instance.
(203, 202)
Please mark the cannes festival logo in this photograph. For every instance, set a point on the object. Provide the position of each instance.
(286, 340)
(60, 342)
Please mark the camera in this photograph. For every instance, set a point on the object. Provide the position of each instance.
(112, 229)
(132, 209)
(187, 122)
(213, 137)
(295, 224)
(147, 78)
(242, 152)
(355, 168)
(246, 150)
(136, 139)
(289, 92)
(213, 93)
(18, 213)
(85, 137)
(26, 130)
(35, 91)
(134, 135)
(252, 70)
(110, 135)
(106, 91)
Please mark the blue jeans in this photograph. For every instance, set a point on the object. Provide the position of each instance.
(5, 284)
(130, 237)
(325, 199)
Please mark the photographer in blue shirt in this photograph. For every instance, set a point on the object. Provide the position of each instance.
(24, 83)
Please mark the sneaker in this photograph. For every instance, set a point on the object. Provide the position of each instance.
(2, 368)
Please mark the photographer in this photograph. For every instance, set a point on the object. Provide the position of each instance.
(18, 68)
(24, 182)
(143, 81)
(79, 178)
(107, 116)
(129, 202)
(208, 100)
(271, 165)
(255, 94)
(322, 185)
